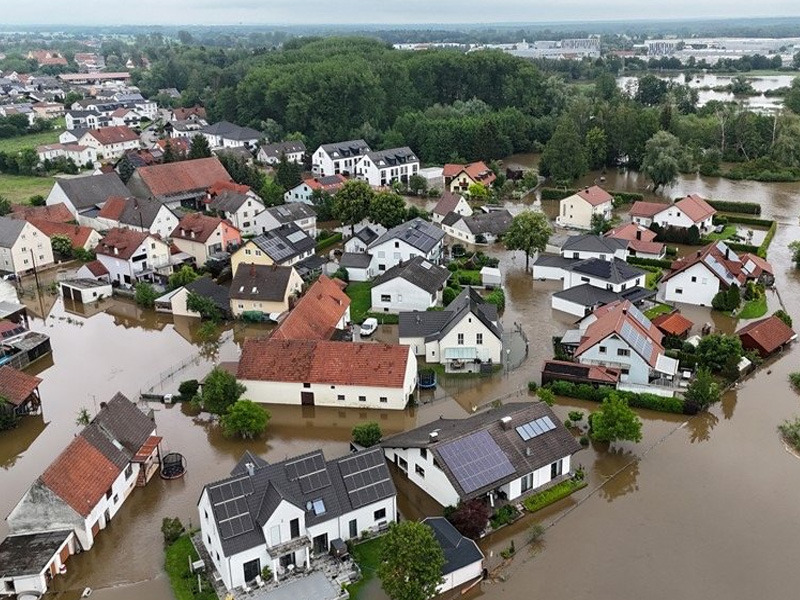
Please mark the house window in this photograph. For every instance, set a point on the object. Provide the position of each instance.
(306, 385)
(556, 469)
(527, 482)
(384, 400)
(585, 279)
(386, 297)
(397, 244)
(602, 349)
(423, 452)
(419, 471)
(116, 498)
(623, 352)
(205, 512)
(362, 398)
(678, 290)
(379, 514)
(340, 397)
(479, 339)
(208, 537)
(128, 471)
(694, 279)
(294, 528)
(353, 526)
(460, 339)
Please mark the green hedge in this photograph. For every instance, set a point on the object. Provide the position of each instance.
(552, 495)
(627, 197)
(746, 208)
(747, 220)
(650, 262)
(555, 193)
(764, 247)
(328, 242)
(737, 247)
(585, 391)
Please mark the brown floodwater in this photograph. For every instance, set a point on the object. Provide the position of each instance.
(703, 507)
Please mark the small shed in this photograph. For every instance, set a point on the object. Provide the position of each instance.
(20, 390)
(357, 265)
(31, 560)
(766, 336)
(491, 277)
(463, 560)
(85, 290)
(673, 324)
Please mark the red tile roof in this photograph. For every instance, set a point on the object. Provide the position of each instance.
(113, 208)
(447, 203)
(647, 209)
(694, 207)
(320, 361)
(181, 114)
(595, 195)
(221, 186)
(316, 314)
(57, 213)
(596, 373)
(179, 145)
(96, 268)
(147, 449)
(125, 241)
(113, 135)
(644, 243)
(183, 176)
(16, 386)
(759, 265)
(80, 475)
(674, 324)
(767, 334)
(477, 171)
(331, 184)
(77, 234)
(610, 320)
(196, 227)
(716, 252)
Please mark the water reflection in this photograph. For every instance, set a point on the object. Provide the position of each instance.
(620, 469)
(15, 442)
(700, 426)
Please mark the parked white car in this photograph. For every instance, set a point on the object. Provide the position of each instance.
(368, 327)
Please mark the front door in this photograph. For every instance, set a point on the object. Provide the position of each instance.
(252, 569)
(307, 398)
(353, 525)
(321, 544)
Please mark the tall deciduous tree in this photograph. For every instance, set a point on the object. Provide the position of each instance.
(718, 351)
(220, 391)
(351, 203)
(411, 562)
(288, 174)
(184, 276)
(388, 209)
(615, 420)
(662, 156)
(199, 147)
(529, 232)
(367, 434)
(245, 419)
(703, 391)
(596, 147)
(564, 156)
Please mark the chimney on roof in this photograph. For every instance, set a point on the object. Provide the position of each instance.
(638, 234)
(103, 405)
(727, 253)
(252, 270)
(251, 468)
(505, 422)
(528, 451)
(433, 436)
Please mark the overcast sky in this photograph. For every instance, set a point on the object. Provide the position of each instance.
(294, 12)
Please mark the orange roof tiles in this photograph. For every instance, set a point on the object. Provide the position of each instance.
(183, 176)
(320, 361)
(719, 253)
(125, 241)
(595, 195)
(674, 324)
(77, 234)
(316, 314)
(57, 213)
(16, 386)
(768, 335)
(113, 208)
(113, 135)
(196, 227)
(477, 171)
(647, 209)
(80, 475)
(694, 207)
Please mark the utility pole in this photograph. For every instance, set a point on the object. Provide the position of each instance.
(35, 272)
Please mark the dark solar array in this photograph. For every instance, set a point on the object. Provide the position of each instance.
(310, 472)
(230, 507)
(476, 461)
(366, 478)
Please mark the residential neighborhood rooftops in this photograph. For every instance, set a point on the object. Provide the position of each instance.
(718, 258)
(121, 243)
(16, 386)
(593, 243)
(268, 283)
(316, 314)
(196, 227)
(228, 201)
(55, 213)
(417, 233)
(487, 434)
(181, 177)
(647, 210)
(284, 243)
(92, 190)
(279, 149)
(768, 334)
(674, 324)
(447, 203)
(459, 551)
(417, 271)
(291, 211)
(436, 324)
(346, 149)
(135, 212)
(322, 361)
(595, 195)
(696, 208)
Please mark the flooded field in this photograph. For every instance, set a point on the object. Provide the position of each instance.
(703, 507)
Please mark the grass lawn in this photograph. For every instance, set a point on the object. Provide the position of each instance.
(15, 144)
(368, 556)
(753, 309)
(651, 279)
(19, 188)
(360, 300)
(729, 231)
(181, 579)
(658, 309)
(553, 494)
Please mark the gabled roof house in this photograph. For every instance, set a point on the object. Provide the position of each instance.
(177, 184)
(405, 241)
(413, 285)
(576, 211)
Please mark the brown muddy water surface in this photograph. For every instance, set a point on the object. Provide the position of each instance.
(703, 507)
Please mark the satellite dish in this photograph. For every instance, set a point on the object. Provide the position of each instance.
(309, 506)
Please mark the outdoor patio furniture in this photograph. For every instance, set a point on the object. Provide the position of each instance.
(259, 581)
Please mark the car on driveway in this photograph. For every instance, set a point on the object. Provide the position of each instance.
(368, 327)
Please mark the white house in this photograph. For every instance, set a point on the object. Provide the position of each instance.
(138, 214)
(339, 158)
(358, 265)
(285, 245)
(620, 337)
(87, 193)
(613, 274)
(463, 560)
(697, 277)
(23, 247)
(450, 202)
(363, 237)
(282, 514)
(413, 285)
(402, 243)
(80, 155)
(465, 333)
(302, 215)
(116, 451)
(593, 246)
(229, 135)
(110, 142)
(384, 167)
(85, 119)
(577, 210)
(302, 372)
(202, 236)
(271, 154)
(478, 228)
(641, 241)
(238, 208)
(131, 256)
(304, 191)
(265, 289)
(685, 213)
(520, 448)
(33, 560)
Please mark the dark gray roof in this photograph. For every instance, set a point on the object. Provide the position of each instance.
(141, 212)
(29, 554)
(417, 233)
(589, 295)
(593, 243)
(613, 271)
(459, 551)
(348, 148)
(123, 421)
(279, 148)
(231, 131)
(285, 242)
(207, 288)
(495, 222)
(435, 324)
(245, 502)
(419, 272)
(525, 456)
(228, 201)
(90, 191)
(10, 229)
(260, 282)
(355, 260)
(292, 211)
(367, 235)
(392, 157)
(553, 260)
(310, 266)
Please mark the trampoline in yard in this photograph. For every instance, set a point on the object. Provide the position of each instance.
(173, 466)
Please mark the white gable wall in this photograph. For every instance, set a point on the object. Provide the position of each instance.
(696, 285)
(606, 353)
(400, 295)
(574, 211)
(470, 326)
(392, 252)
(423, 473)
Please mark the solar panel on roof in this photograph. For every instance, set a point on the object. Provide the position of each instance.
(642, 345)
(476, 461)
(639, 316)
(296, 236)
(535, 428)
(366, 478)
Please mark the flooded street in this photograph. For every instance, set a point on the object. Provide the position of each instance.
(702, 508)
